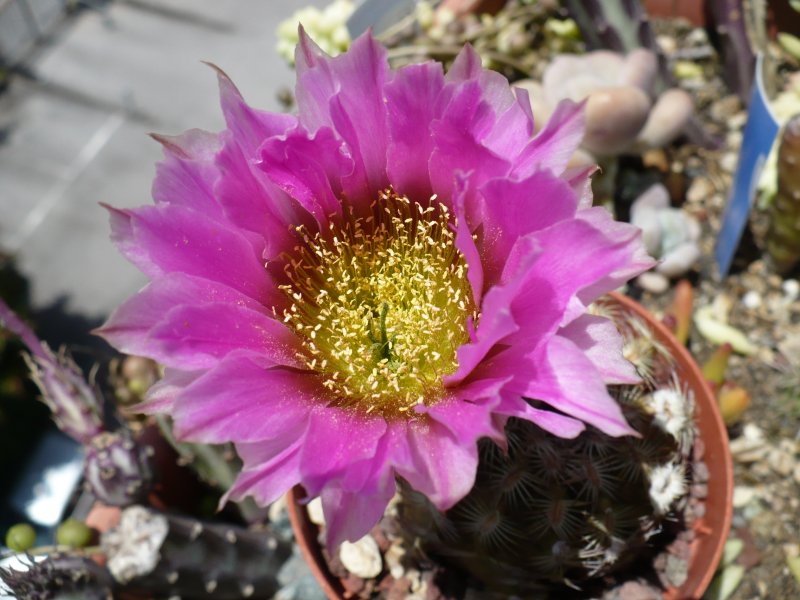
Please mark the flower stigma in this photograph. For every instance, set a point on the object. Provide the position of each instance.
(381, 303)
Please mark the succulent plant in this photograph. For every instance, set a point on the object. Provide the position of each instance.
(670, 234)
(60, 577)
(155, 554)
(548, 516)
(116, 469)
(622, 109)
(783, 237)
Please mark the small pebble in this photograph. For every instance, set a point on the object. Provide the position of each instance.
(653, 282)
(362, 558)
(743, 495)
(315, 512)
(780, 461)
(791, 289)
(728, 161)
(752, 300)
(699, 191)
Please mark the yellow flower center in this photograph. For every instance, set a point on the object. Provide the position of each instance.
(381, 303)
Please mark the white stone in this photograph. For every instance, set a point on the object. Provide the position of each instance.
(743, 495)
(362, 558)
(315, 512)
(132, 547)
(653, 282)
(791, 289)
(752, 300)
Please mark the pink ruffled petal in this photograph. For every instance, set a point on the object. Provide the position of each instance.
(350, 515)
(346, 92)
(513, 208)
(411, 99)
(465, 242)
(308, 168)
(601, 342)
(128, 327)
(623, 242)
(160, 398)
(259, 399)
(566, 379)
(441, 467)
(255, 204)
(187, 174)
(267, 481)
(195, 337)
(467, 413)
(338, 439)
(555, 144)
(167, 238)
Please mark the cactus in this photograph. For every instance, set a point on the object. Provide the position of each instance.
(155, 554)
(783, 237)
(551, 515)
(60, 577)
(116, 469)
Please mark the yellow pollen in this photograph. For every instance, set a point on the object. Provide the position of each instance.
(381, 303)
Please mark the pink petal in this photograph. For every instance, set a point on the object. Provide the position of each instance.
(268, 481)
(199, 336)
(129, 325)
(160, 398)
(513, 208)
(244, 399)
(346, 92)
(566, 379)
(601, 342)
(169, 238)
(555, 144)
(441, 466)
(308, 168)
(410, 100)
(187, 174)
(337, 439)
(351, 515)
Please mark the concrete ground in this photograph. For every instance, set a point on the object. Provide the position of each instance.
(75, 133)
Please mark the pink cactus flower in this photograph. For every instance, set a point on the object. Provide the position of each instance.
(362, 291)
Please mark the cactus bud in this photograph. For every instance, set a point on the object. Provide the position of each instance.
(60, 577)
(117, 470)
(21, 537)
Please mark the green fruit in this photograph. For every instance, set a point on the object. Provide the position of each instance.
(73, 533)
(21, 537)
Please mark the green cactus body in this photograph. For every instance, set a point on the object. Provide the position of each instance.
(551, 516)
(783, 237)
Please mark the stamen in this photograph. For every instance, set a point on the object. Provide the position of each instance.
(381, 303)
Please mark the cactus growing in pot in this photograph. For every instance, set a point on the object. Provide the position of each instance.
(590, 517)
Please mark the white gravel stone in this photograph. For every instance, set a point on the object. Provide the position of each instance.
(315, 512)
(362, 558)
(752, 300)
(743, 495)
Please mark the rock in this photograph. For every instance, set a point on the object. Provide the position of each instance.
(699, 191)
(653, 282)
(668, 118)
(791, 290)
(614, 116)
(743, 495)
(315, 512)
(362, 558)
(780, 461)
(752, 300)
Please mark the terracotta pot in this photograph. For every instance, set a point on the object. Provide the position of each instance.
(712, 530)
(691, 10)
